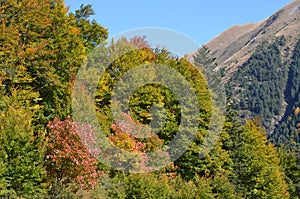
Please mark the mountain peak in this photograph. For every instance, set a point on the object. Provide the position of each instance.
(235, 45)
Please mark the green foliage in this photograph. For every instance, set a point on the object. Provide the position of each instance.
(153, 186)
(91, 33)
(257, 171)
(287, 131)
(21, 149)
(289, 161)
(203, 58)
(218, 161)
(257, 87)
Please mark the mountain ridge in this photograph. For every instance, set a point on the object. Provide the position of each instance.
(235, 45)
(260, 62)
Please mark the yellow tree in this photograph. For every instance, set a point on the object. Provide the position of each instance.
(42, 48)
(256, 165)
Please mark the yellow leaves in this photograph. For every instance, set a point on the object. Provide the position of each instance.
(298, 126)
(31, 51)
(75, 30)
(123, 141)
(262, 160)
(145, 115)
(296, 111)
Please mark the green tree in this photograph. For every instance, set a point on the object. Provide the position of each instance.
(203, 57)
(21, 148)
(289, 161)
(257, 87)
(287, 131)
(145, 97)
(257, 166)
(91, 32)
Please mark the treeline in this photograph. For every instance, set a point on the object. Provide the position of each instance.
(42, 154)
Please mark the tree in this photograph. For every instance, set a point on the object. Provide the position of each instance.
(70, 158)
(146, 97)
(287, 131)
(91, 32)
(123, 138)
(259, 85)
(42, 48)
(257, 165)
(217, 162)
(204, 58)
(21, 148)
(289, 161)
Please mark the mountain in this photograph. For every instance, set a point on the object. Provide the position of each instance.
(235, 46)
(261, 64)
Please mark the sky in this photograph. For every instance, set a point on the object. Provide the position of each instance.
(201, 20)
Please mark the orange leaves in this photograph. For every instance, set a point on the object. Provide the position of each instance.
(296, 111)
(75, 30)
(132, 136)
(123, 139)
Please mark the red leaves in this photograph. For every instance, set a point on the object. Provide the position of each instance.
(71, 150)
(126, 131)
(128, 136)
(70, 157)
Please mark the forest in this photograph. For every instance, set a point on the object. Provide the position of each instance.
(46, 153)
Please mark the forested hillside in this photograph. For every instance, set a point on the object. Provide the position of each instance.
(266, 87)
(235, 46)
(259, 84)
(287, 131)
(46, 153)
(260, 64)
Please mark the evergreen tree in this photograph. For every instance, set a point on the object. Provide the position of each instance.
(256, 88)
(287, 131)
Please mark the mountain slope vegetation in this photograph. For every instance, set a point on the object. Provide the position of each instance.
(44, 153)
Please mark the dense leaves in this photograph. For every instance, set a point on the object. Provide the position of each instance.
(256, 166)
(258, 85)
(44, 154)
(22, 173)
(69, 159)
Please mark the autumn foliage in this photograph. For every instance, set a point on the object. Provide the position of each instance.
(69, 159)
(127, 135)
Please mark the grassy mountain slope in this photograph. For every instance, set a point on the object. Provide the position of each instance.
(236, 45)
(261, 64)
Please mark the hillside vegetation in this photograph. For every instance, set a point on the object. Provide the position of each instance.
(46, 153)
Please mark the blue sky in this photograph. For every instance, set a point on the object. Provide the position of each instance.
(198, 19)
